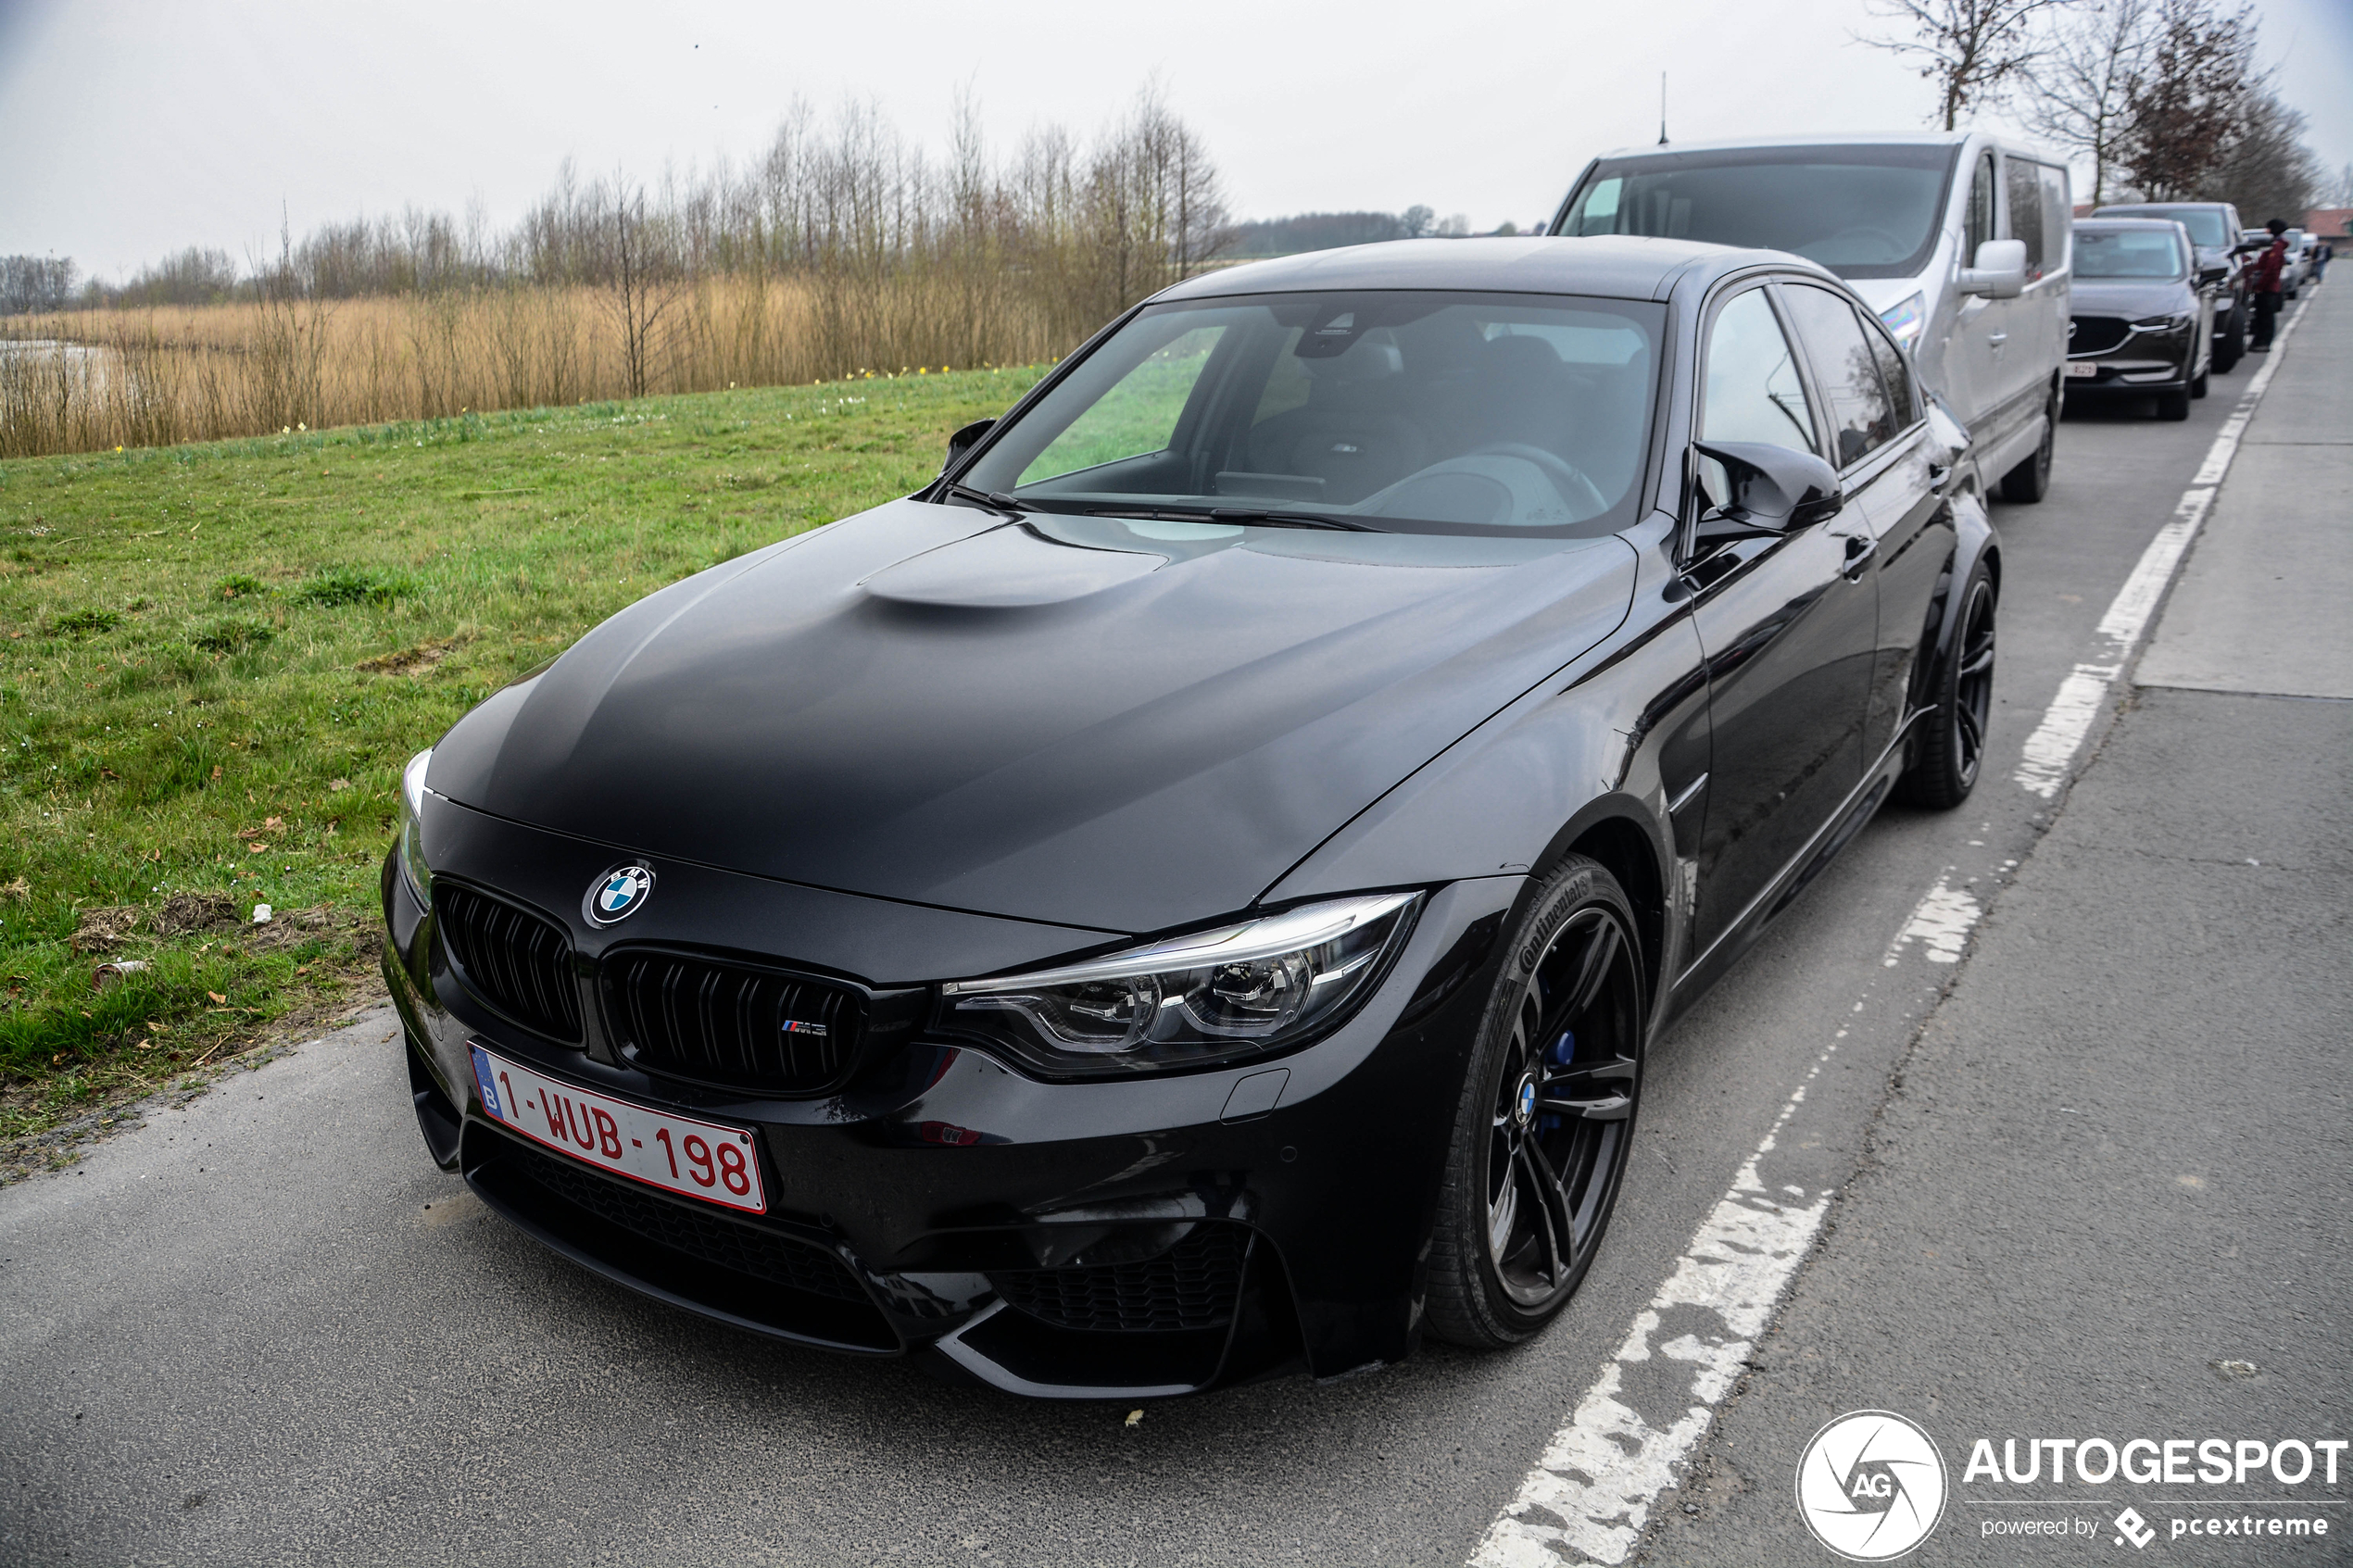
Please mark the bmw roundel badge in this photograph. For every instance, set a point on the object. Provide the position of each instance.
(619, 894)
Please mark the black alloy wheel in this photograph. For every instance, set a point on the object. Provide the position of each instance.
(2031, 481)
(1546, 1119)
(1952, 744)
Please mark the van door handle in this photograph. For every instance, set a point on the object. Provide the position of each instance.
(1997, 339)
(1860, 549)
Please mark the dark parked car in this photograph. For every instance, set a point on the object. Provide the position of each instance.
(2143, 323)
(2222, 262)
(1192, 892)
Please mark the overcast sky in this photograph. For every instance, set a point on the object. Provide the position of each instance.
(131, 128)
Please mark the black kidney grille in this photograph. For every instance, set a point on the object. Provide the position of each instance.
(518, 963)
(2097, 335)
(699, 1235)
(730, 1025)
(1193, 1285)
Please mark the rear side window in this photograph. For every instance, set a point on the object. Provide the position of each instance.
(1861, 417)
(2025, 193)
(1893, 374)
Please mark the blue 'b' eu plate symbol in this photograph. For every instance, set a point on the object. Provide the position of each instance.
(619, 894)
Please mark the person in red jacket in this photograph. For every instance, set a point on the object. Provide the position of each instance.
(2269, 268)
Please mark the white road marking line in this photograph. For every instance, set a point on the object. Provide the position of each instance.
(1940, 923)
(2050, 750)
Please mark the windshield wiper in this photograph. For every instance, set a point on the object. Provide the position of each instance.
(1236, 514)
(993, 500)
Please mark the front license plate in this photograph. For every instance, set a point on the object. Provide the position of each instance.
(2083, 372)
(676, 1153)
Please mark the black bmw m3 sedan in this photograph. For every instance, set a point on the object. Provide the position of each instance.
(1189, 893)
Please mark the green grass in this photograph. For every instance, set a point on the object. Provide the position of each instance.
(251, 637)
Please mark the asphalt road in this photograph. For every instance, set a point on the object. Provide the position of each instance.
(263, 1329)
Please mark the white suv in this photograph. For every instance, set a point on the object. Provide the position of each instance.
(1960, 240)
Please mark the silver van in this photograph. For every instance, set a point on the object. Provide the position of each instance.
(1960, 240)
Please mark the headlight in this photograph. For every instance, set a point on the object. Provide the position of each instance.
(2173, 323)
(412, 828)
(1196, 1001)
(1906, 320)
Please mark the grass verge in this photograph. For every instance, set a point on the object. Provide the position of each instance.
(214, 660)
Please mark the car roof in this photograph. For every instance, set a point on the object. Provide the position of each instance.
(2122, 222)
(1842, 139)
(1608, 266)
(2122, 207)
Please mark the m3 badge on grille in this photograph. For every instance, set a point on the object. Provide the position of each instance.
(619, 894)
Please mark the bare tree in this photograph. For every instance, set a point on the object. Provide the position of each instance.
(2268, 171)
(641, 285)
(1971, 49)
(2080, 90)
(2190, 99)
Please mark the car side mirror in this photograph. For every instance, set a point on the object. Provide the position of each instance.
(1774, 491)
(966, 440)
(1999, 270)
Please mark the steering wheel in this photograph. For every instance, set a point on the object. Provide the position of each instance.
(1574, 488)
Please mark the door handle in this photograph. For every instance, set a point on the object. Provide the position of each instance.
(1860, 549)
(1997, 339)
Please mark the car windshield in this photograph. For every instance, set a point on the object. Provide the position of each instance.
(2128, 253)
(1403, 411)
(1861, 211)
(2204, 223)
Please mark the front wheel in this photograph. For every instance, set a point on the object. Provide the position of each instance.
(2031, 481)
(1952, 744)
(1546, 1117)
(2231, 343)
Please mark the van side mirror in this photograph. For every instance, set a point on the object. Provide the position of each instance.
(964, 439)
(1774, 491)
(1999, 270)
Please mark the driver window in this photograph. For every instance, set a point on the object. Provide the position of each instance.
(1981, 209)
(1137, 416)
(1753, 391)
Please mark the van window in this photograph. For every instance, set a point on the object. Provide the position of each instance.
(2058, 217)
(2025, 193)
(1861, 417)
(1981, 209)
(1861, 210)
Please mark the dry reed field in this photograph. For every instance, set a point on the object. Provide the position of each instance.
(92, 380)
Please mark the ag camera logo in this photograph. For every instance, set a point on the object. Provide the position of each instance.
(1870, 1485)
(619, 894)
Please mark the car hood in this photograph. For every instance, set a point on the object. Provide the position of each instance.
(1121, 725)
(2131, 298)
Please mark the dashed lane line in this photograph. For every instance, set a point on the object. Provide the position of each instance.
(2050, 751)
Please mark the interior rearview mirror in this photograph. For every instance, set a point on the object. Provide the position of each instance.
(964, 440)
(1999, 269)
(1774, 490)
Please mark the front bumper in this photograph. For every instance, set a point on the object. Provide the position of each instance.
(1096, 1239)
(2143, 362)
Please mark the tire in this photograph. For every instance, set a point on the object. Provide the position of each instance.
(2198, 387)
(2230, 345)
(1527, 1190)
(1952, 744)
(2031, 481)
(2173, 405)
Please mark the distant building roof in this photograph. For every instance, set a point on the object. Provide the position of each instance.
(2329, 222)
